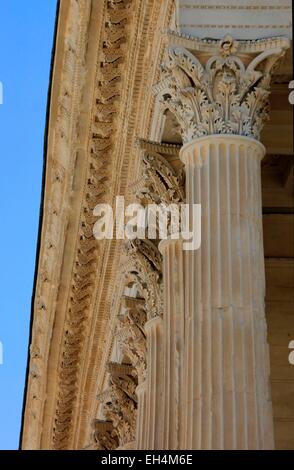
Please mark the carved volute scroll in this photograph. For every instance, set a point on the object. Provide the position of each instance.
(223, 94)
(146, 262)
(123, 376)
(107, 102)
(104, 435)
(120, 403)
(163, 185)
(131, 335)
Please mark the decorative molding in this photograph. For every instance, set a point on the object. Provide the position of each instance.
(60, 162)
(209, 45)
(147, 16)
(109, 83)
(161, 148)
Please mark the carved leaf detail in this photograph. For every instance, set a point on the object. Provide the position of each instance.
(221, 97)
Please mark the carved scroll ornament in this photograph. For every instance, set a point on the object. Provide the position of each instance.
(223, 96)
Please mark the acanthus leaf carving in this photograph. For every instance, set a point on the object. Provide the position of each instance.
(104, 436)
(131, 335)
(224, 96)
(163, 185)
(119, 402)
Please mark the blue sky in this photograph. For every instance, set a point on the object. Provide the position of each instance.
(26, 38)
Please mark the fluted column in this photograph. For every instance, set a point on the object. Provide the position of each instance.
(154, 399)
(227, 397)
(174, 337)
(141, 415)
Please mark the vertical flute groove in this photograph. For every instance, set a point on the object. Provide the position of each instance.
(226, 354)
(216, 364)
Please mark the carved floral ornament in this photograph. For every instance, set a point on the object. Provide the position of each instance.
(223, 96)
(119, 403)
(162, 184)
(105, 436)
(131, 335)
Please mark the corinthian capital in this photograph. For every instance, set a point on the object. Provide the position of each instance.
(221, 89)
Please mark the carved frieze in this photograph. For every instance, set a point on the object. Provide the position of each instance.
(108, 94)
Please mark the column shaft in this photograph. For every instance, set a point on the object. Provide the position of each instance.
(152, 438)
(227, 400)
(174, 338)
(141, 415)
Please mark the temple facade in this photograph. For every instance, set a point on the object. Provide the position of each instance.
(140, 343)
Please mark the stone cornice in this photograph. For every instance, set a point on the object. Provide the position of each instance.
(108, 92)
(81, 141)
(66, 85)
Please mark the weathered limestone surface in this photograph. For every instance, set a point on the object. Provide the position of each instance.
(144, 345)
(228, 396)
